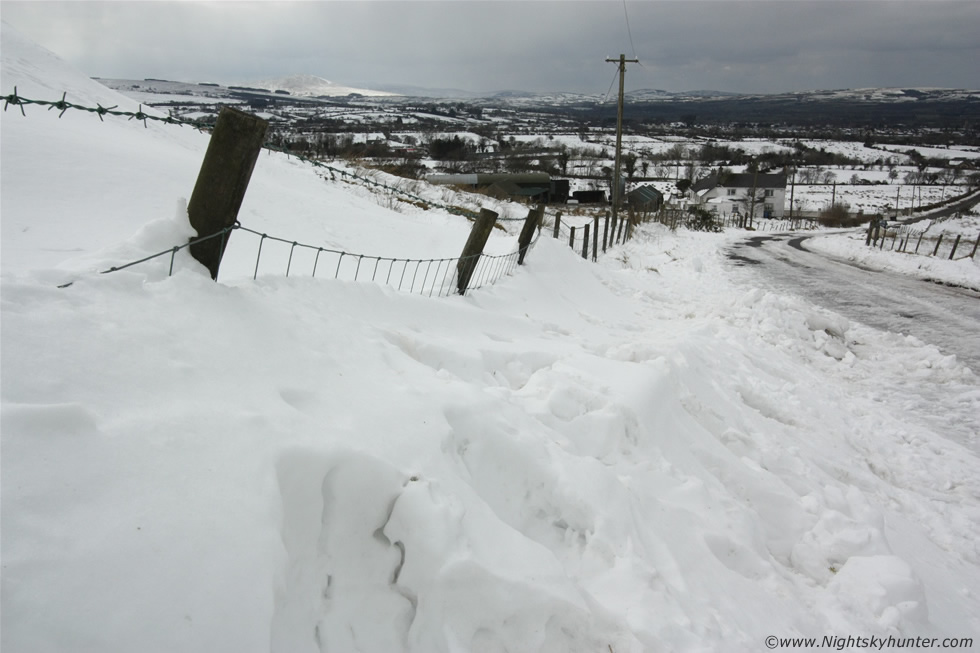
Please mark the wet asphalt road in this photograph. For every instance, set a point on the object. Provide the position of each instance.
(945, 316)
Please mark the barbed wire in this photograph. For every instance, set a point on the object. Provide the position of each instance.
(64, 105)
(492, 266)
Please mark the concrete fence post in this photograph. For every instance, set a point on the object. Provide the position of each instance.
(473, 248)
(225, 172)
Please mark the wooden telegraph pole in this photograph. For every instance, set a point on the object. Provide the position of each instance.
(622, 61)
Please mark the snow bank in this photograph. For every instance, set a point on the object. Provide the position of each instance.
(637, 455)
(964, 271)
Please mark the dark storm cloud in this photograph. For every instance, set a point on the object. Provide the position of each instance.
(727, 45)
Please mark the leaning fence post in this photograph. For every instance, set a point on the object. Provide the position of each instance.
(936, 250)
(585, 242)
(956, 244)
(221, 183)
(557, 224)
(527, 232)
(473, 248)
(977, 242)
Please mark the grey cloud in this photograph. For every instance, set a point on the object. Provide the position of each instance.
(477, 45)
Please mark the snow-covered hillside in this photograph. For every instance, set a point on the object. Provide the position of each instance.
(312, 86)
(634, 455)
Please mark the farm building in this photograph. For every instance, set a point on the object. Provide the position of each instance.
(532, 186)
(645, 199)
(762, 195)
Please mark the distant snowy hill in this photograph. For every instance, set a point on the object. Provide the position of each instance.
(312, 86)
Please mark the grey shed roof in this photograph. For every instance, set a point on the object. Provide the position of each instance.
(645, 195)
(741, 180)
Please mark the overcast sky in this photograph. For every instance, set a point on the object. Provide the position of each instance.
(728, 45)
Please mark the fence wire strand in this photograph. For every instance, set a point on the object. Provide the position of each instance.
(481, 272)
(64, 105)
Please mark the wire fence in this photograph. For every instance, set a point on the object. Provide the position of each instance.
(64, 105)
(274, 255)
(431, 277)
(907, 240)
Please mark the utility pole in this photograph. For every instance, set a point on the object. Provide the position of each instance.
(792, 192)
(622, 61)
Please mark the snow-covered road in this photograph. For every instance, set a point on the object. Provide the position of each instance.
(947, 317)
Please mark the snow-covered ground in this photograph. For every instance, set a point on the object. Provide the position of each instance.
(926, 235)
(869, 199)
(637, 455)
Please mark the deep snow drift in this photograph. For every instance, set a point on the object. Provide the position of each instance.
(635, 455)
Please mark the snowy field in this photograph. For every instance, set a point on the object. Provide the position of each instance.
(636, 455)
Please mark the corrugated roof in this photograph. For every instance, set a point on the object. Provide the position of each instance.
(740, 180)
(645, 195)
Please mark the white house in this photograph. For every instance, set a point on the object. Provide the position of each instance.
(762, 195)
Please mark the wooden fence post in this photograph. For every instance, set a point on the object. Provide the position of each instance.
(595, 239)
(585, 242)
(975, 247)
(473, 248)
(531, 223)
(557, 224)
(225, 172)
(955, 245)
(571, 237)
(605, 233)
(867, 240)
(919, 242)
(936, 250)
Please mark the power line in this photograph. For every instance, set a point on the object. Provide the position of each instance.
(629, 32)
(606, 96)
